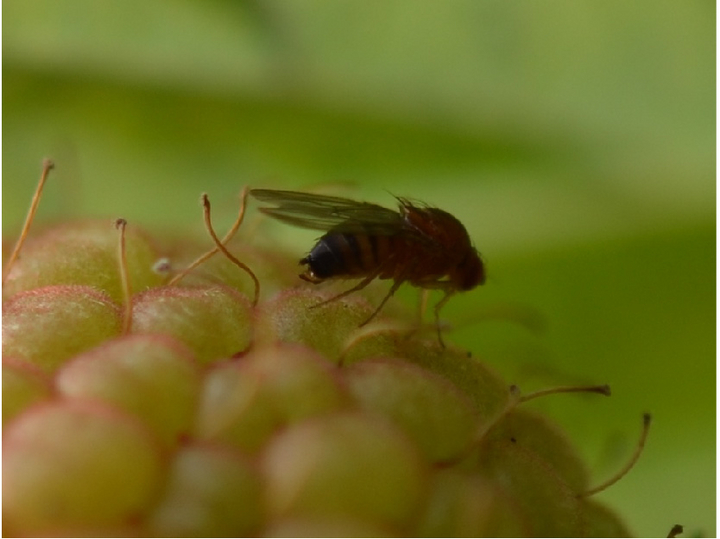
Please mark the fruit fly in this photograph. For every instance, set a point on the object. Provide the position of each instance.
(417, 244)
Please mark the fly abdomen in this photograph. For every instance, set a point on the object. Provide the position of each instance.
(342, 255)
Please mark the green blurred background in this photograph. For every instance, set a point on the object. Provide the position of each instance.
(576, 140)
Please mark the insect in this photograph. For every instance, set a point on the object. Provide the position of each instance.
(416, 244)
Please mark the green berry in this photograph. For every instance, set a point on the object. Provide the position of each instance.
(149, 376)
(70, 465)
(84, 253)
(209, 491)
(183, 408)
(23, 384)
(437, 416)
(47, 326)
(344, 465)
(244, 402)
(214, 322)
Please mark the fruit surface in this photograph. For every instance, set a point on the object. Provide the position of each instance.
(192, 412)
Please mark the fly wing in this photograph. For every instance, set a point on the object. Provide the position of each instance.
(319, 212)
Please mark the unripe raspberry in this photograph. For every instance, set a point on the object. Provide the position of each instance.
(83, 253)
(47, 326)
(70, 465)
(209, 491)
(438, 417)
(462, 504)
(225, 401)
(244, 402)
(149, 376)
(214, 321)
(22, 385)
(345, 465)
(291, 317)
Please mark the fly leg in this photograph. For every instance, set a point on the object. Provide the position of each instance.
(362, 284)
(422, 304)
(393, 289)
(399, 279)
(425, 288)
(448, 293)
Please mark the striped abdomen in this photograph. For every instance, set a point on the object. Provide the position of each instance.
(351, 255)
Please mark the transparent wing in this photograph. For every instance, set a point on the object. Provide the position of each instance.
(321, 212)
